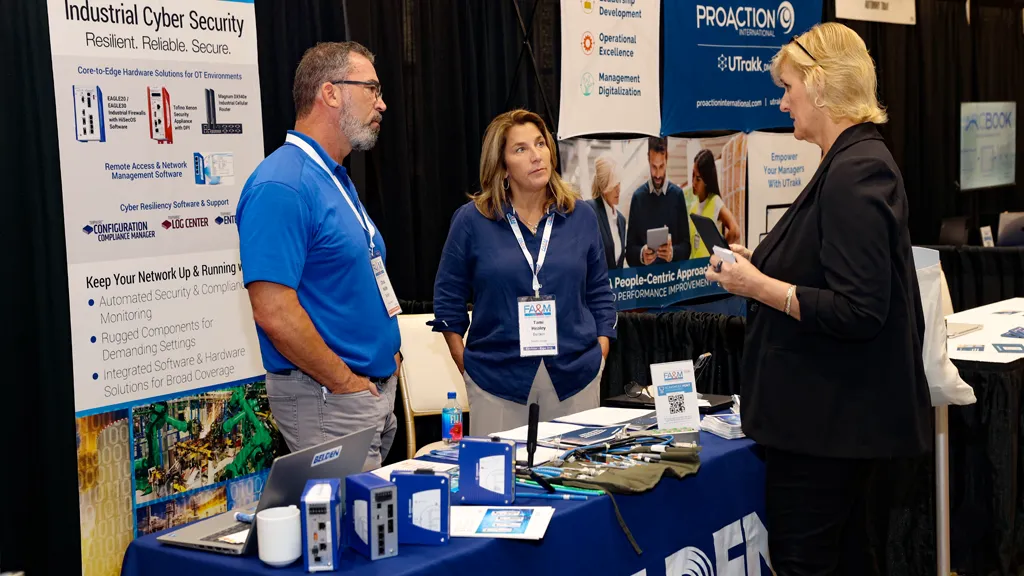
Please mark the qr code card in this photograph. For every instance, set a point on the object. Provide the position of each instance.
(675, 395)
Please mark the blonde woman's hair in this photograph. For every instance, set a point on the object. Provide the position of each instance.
(603, 168)
(492, 196)
(837, 71)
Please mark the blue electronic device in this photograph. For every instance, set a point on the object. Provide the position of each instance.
(199, 167)
(371, 528)
(424, 500)
(487, 472)
(321, 525)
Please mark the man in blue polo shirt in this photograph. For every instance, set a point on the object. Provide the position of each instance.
(313, 263)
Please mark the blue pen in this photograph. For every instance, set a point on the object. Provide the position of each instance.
(547, 496)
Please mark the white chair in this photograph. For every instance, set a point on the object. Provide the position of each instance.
(427, 375)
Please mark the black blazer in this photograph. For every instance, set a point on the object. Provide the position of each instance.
(606, 233)
(847, 380)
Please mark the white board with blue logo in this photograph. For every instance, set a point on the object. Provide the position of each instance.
(988, 144)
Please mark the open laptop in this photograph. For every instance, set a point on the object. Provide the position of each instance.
(222, 533)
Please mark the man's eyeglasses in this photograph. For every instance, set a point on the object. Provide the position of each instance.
(373, 85)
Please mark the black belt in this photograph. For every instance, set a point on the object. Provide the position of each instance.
(375, 380)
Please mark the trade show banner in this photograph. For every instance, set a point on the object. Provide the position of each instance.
(988, 144)
(718, 62)
(610, 67)
(616, 179)
(891, 11)
(780, 166)
(159, 124)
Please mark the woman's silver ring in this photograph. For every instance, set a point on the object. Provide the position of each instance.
(718, 267)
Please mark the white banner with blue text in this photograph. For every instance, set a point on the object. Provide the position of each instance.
(988, 144)
(779, 166)
(890, 11)
(159, 124)
(610, 67)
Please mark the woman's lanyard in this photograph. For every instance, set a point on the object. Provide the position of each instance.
(363, 218)
(526, 252)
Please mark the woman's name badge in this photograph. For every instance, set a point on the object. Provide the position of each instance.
(538, 327)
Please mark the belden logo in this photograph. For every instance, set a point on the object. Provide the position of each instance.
(587, 43)
(326, 456)
(181, 223)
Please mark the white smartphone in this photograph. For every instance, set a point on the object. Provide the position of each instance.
(725, 254)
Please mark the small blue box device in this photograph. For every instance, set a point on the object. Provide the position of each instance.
(321, 524)
(370, 503)
(424, 499)
(487, 472)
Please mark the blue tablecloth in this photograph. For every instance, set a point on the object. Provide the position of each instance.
(698, 525)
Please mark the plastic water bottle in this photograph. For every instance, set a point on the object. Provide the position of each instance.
(451, 420)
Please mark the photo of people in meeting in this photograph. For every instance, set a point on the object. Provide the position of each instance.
(606, 172)
(643, 191)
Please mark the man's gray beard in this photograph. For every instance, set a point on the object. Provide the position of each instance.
(361, 136)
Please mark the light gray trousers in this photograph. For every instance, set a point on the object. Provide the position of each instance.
(307, 417)
(489, 414)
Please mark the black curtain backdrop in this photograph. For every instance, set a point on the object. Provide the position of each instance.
(38, 458)
(447, 67)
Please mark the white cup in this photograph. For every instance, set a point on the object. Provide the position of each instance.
(279, 536)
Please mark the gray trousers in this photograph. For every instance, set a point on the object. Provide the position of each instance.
(489, 414)
(307, 417)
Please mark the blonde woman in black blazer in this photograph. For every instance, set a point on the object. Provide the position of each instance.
(833, 380)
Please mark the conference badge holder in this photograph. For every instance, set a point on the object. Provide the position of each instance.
(387, 293)
(538, 326)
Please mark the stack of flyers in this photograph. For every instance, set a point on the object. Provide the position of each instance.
(725, 425)
(1017, 332)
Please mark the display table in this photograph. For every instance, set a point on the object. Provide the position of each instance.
(995, 319)
(986, 494)
(583, 538)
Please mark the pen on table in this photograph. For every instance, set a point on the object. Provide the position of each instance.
(547, 496)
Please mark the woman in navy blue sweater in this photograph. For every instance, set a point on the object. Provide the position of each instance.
(534, 268)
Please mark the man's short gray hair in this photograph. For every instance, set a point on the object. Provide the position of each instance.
(325, 62)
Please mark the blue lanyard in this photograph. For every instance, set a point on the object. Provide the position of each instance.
(535, 270)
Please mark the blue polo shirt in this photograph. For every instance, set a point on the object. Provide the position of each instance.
(296, 229)
(482, 262)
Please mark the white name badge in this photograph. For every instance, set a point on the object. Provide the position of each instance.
(675, 395)
(387, 293)
(538, 327)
